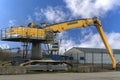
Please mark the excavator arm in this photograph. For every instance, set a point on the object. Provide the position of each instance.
(101, 32)
(59, 27)
(84, 23)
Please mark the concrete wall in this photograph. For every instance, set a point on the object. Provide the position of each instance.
(12, 70)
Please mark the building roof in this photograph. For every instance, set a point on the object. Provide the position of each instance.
(73, 50)
(92, 50)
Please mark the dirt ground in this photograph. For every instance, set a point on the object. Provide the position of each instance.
(64, 76)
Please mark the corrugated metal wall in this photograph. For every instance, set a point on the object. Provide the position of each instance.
(93, 56)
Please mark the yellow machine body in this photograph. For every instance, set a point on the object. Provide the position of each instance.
(26, 32)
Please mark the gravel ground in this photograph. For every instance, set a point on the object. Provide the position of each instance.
(64, 76)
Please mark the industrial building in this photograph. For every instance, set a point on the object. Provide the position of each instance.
(91, 55)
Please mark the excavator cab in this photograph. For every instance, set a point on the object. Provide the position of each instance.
(32, 25)
(55, 46)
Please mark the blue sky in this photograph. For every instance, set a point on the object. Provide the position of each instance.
(20, 12)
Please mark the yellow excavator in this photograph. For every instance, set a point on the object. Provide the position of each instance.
(46, 32)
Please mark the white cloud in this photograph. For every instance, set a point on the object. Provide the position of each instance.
(65, 42)
(66, 45)
(85, 31)
(94, 40)
(11, 22)
(38, 15)
(91, 8)
(4, 46)
(29, 19)
(76, 9)
(53, 14)
(114, 39)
